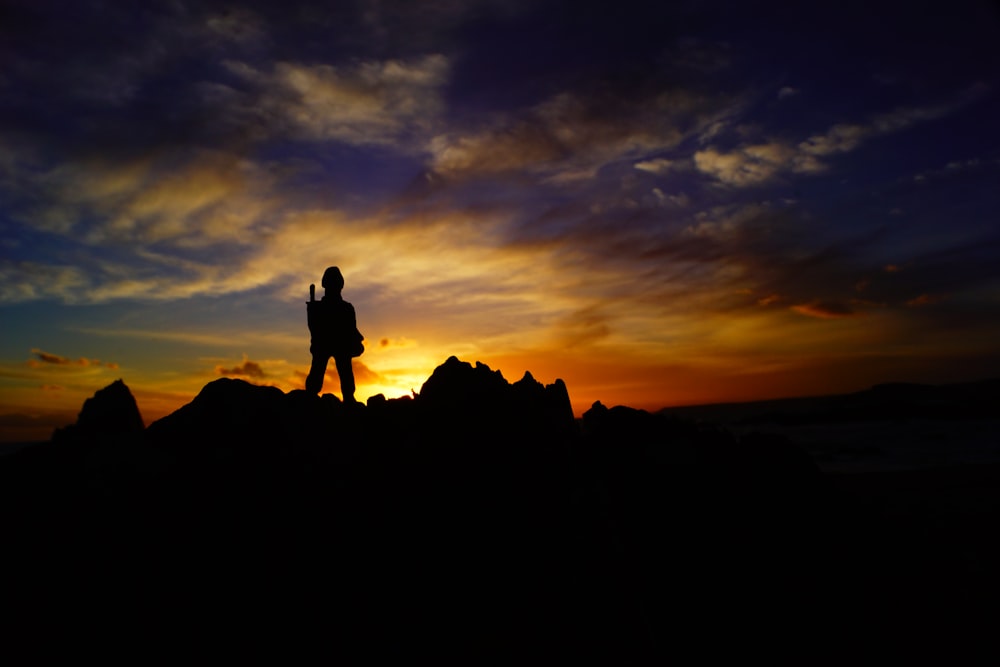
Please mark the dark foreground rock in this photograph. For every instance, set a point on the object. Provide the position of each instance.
(477, 521)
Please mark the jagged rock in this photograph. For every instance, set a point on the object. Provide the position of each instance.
(456, 384)
(475, 396)
(111, 413)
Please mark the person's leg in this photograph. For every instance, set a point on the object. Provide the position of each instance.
(314, 382)
(346, 373)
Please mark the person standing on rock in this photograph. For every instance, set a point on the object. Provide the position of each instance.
(334, 331)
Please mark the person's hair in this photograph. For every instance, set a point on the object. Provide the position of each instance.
(332, 278)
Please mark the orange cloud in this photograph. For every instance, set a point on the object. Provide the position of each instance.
(246, 369)
(396, 342)
(51, 358)
(925, 300)
(362, 374)
(768, 300)
(59, 360)
(826, 310)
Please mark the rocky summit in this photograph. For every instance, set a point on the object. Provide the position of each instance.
(476, 521)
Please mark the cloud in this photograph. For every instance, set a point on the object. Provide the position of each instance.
(655, 166)
(237, 25)
(52, 358)
(22, 281)
(248, 368)
(787, 91)
(925, 300)
(396, 343)
(845, 137)
(364, 375)
(59, 360)
(582, 328)
(371, 102)
(840, 138)
(755, 164)
(827, 310)
(575, 131)
(737, 168)
(769, 299)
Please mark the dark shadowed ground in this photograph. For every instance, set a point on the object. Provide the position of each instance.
(481, 523)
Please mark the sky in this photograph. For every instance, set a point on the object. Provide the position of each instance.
(660, 203)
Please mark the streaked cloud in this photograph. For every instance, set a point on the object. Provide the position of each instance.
(827, 310)
(574, 131)
(655, 166)
(755, 164)
(59, 360)
(925, 300)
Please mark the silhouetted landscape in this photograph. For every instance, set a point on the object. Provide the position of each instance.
(478, 520)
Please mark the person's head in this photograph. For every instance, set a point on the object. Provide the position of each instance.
(333, 280)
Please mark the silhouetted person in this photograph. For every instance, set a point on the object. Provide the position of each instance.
(334, 331)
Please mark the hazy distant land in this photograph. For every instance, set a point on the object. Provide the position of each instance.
(889, 427)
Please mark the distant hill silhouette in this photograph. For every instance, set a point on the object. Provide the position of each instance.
(478, 522)
(967, 400)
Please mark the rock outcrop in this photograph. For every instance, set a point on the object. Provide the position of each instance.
(110, 414)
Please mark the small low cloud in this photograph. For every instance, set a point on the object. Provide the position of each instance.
(362, 375)
(786, 92)
(768, 300)
(825, 310)
(42, 357)
(925, 300)
(396, 342)
(54, 358)
(655, 166)
(248, 368)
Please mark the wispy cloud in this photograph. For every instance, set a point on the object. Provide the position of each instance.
(755, 164)
(574, 131)
(827, 310)
(372, 102)
(59, 360)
